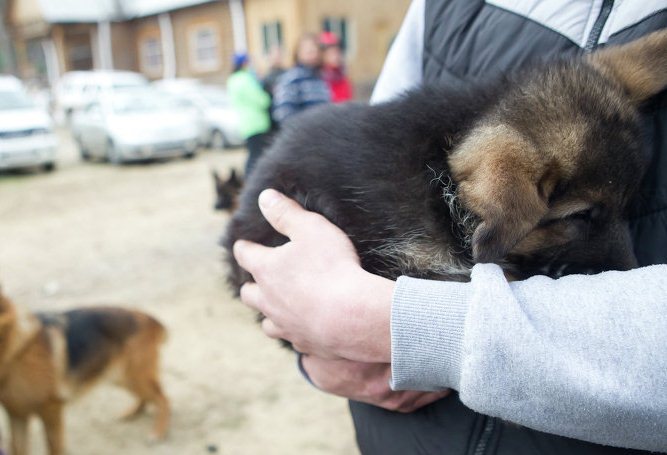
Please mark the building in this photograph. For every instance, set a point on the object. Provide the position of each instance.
(160, 38)
(191, 38)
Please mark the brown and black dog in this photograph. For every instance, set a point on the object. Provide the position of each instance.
(227, 191)
(533, 171)
(47, 359)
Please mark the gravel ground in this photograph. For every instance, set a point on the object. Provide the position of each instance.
(145, 236)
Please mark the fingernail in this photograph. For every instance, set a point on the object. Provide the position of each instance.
(269, 198)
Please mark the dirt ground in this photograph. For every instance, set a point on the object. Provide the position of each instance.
(145, 236)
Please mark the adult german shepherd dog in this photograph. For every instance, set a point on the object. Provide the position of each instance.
(532, 172)
(47, 359)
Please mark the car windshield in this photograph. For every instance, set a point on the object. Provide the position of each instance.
(136, 102)
(15, 100)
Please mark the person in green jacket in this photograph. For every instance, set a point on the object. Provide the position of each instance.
(252, 104)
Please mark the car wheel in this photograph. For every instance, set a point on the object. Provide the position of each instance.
(113, 155)
(189, 155)
(49, 167)
(83, 152)
(218, 140)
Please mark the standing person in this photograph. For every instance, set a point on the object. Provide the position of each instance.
(583, 382)
(333, 68)
(252, 104)
(276, 70)
(301, 87)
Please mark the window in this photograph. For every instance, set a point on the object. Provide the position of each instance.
(339, 26)
(151, 55)
(272, 36)
(204, 48)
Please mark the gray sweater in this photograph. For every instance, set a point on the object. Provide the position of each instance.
(581, 356)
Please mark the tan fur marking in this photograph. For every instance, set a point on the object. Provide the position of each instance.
(498, 172)
(640, 66)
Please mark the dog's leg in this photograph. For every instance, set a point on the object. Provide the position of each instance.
(163, 412)
(19, 434)
(148, 390)
(142, 376)
(135, 411)
(52, 416)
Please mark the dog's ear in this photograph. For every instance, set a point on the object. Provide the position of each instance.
(216, 178)
(5, 309)
(640, 66)
(234, 179)
(503, 181)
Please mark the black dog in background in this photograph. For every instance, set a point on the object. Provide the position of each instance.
(227, 191)
(532, 172)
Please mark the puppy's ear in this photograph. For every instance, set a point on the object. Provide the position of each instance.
(640, 66)
(216, 178)
(503, 180)
(234, 179)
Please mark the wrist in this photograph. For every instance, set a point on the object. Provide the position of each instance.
(369, 316)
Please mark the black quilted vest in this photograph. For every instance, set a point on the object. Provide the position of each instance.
(468, 40)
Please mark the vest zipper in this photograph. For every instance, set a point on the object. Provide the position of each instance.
(596, 31)
(485, 437)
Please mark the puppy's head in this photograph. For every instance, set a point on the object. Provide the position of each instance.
(550, 169)
(227, 191)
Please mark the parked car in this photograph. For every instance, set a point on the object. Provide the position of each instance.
(135, 124)
(77, 89)
(26, 133)
(219, 121)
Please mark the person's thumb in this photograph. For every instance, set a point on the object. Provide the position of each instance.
(286, 215)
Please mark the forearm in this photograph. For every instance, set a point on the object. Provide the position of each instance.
(583, 356)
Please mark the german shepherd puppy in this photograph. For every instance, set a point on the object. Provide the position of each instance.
(532, 172)
(47, 359)
(227, 191)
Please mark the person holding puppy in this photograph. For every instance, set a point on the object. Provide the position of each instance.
(581, 357)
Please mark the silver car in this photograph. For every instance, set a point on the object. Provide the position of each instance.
(219, 121)
(26, 134)
(136, 124)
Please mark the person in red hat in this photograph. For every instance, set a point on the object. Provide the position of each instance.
(333, 68)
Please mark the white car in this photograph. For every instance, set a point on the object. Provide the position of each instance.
(136, 124)
(26, 133)
(219, 120)
(77, 89)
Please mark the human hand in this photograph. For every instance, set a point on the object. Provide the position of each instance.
(365, 382)
(313, 290)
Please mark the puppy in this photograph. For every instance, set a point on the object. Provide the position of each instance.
(532, 172)
(227, 191)
(46, 359)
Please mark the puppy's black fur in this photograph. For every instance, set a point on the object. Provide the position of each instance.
(533, 172)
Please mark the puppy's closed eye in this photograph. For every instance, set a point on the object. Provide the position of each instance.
(587, 215)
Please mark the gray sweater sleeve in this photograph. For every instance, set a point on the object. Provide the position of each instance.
(581, 356)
